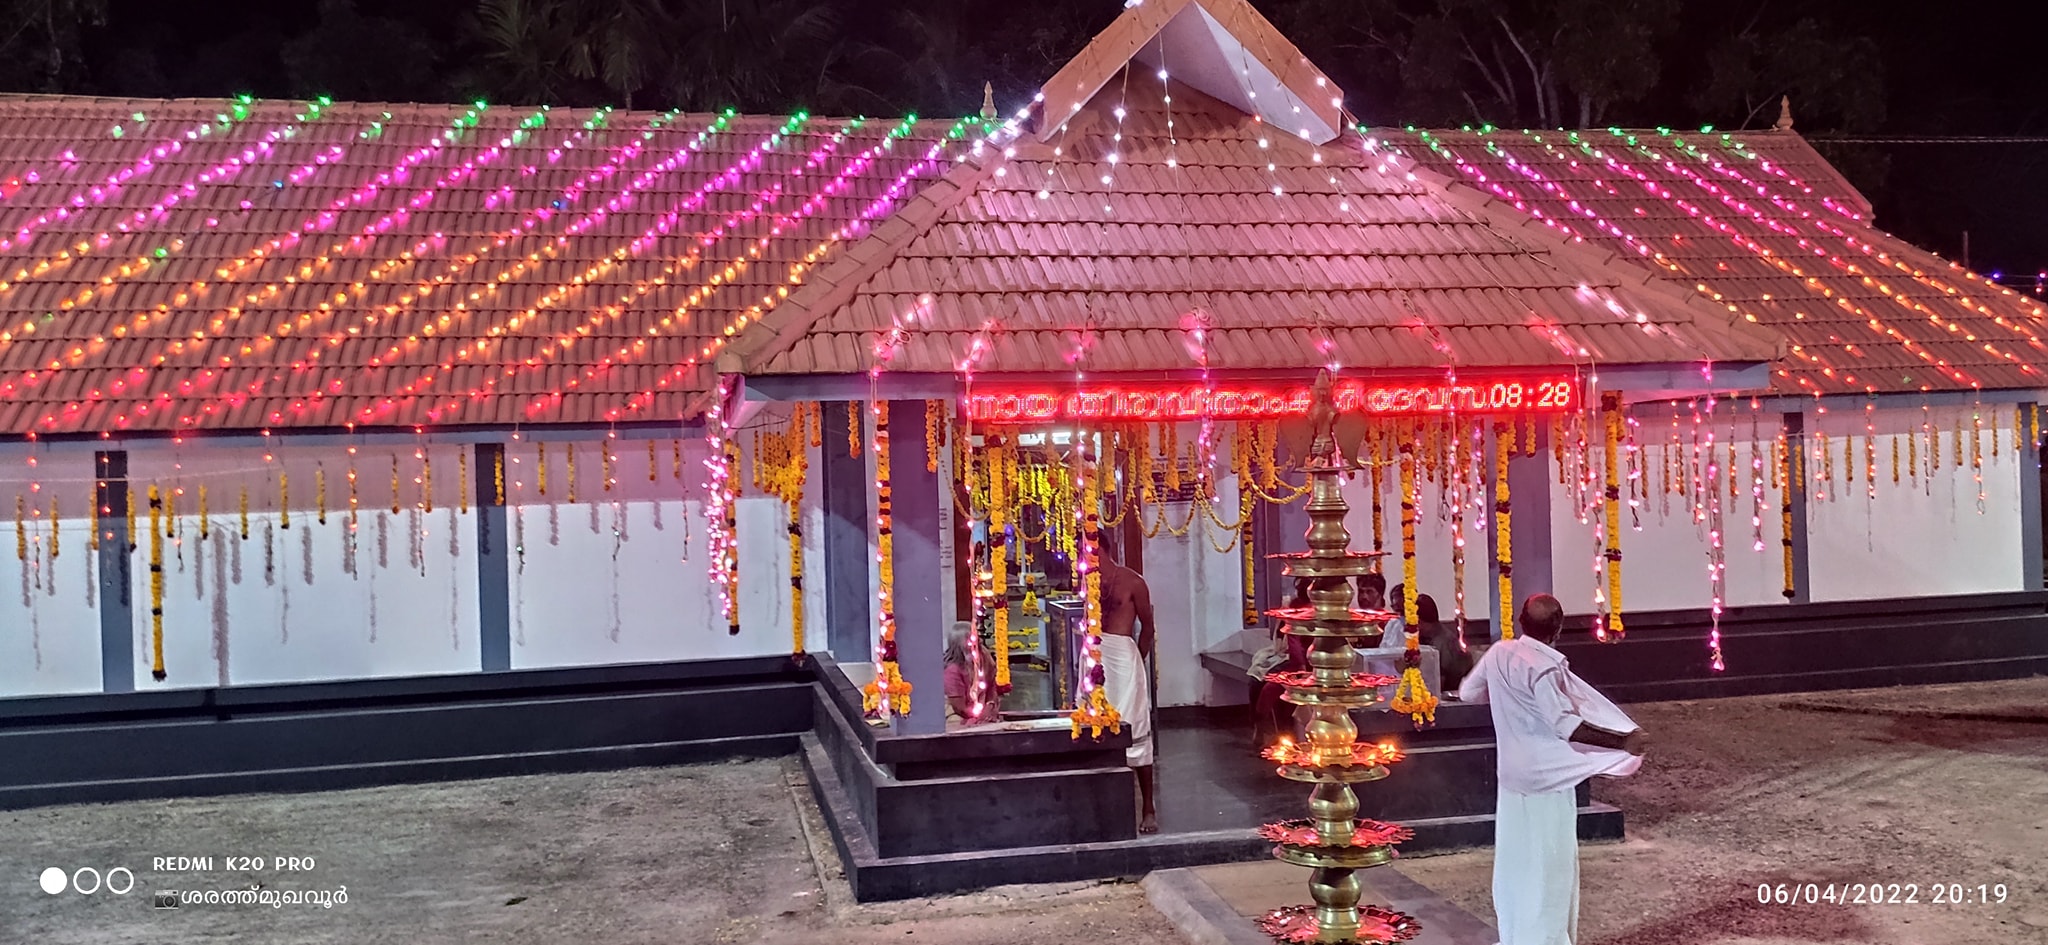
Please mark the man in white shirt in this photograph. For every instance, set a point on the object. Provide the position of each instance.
(1551, 731)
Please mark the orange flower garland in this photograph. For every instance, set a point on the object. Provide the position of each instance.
(1092, 709)
(1503, 514)
(156, 584)
(1412, 696)
(889, 692)
(1615, 426)
(999, 476)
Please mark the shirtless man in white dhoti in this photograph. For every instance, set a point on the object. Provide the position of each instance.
(1127, 637)
(1551, 731)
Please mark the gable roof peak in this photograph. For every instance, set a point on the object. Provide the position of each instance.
(1223, 48)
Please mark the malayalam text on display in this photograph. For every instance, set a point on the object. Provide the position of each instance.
(1384, 398)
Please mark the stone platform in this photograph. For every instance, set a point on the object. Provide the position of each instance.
(1219, 905)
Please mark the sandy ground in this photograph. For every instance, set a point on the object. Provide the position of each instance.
(725, 853)
(1934, 785)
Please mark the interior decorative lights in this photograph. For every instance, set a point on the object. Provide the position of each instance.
(1134, 402)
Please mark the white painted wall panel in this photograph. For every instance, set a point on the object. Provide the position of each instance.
(1936, 539)
(49, 628)
(408, 610)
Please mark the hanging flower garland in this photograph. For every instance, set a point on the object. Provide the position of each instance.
(156, 584)
(1379, 488)
(1503, 552)
(1412, 696)
(853, 425)
(888, 693)
(720, 491)
(1092, 709)
(1000, 463)
(1787, 471)
(1615, 426)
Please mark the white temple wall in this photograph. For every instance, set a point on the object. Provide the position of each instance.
(1664, 546)
(1934, 539)
(49, 624)
(1197, 594)
(408, 610)
(1434, 570)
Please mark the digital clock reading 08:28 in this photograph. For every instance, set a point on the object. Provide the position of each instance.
(1372, 396)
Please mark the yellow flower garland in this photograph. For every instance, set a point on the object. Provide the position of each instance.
(853, 426)
(569, 461)
(497, 481)
(461, 483)
(56, 530)
(1378, 436)
(1503, 513)
(540, 465)
(1788, 465)
(889, 685)
(156, 584)
(998, 557)
(205, 525)
(319, 492)
(1412, 696)
(92, 535)
(1615, 427)
(604, 468)
(21, 528)
(244, 514)
(934, 420)
(1094, 711)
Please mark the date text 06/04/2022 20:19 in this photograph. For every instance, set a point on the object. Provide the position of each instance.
(1878, 894)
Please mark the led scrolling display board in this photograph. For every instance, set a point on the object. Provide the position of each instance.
(1257, 400)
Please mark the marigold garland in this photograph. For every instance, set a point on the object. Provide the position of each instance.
(1613, 502)
(853, 424)
(156, 584)
(205, 524)
(1379, 489)
(171, 513)
(675, 461)
(21, 528)
(92, 534)
(1412, 695)
(1503, 515)
(934, 420)
(242, 516)
(1895, 459)
(1092, 710)
(461, 484)
(888, 687)
(394, 484)
(569, 464)
(1787, 471)
(998, 557)
(604, 466)
(540, 464)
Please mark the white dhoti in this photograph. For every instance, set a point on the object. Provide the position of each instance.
(1536, 868)
(1129, 688)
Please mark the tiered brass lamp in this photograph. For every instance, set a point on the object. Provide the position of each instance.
(1333, 841)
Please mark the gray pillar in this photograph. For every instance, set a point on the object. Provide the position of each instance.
(116, 594)
(493, 562)
(1795, 543)
(920, 602)
(844, 491)
(2031, 565)
(1529, 479)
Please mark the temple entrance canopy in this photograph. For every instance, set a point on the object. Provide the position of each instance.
(1119, 301)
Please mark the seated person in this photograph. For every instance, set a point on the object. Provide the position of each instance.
(1453, 660)
(1266, 709)
(961, 679)
(1372, 595)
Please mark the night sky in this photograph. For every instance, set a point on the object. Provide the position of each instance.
(1958, 69)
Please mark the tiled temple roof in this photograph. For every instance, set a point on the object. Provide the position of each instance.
(1763, 225)
(243, 265)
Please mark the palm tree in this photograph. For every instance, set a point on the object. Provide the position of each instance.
(533, 48)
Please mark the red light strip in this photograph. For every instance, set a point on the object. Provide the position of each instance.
(620, 304)
(425, 288)
(1392, 397)
(192, 292)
